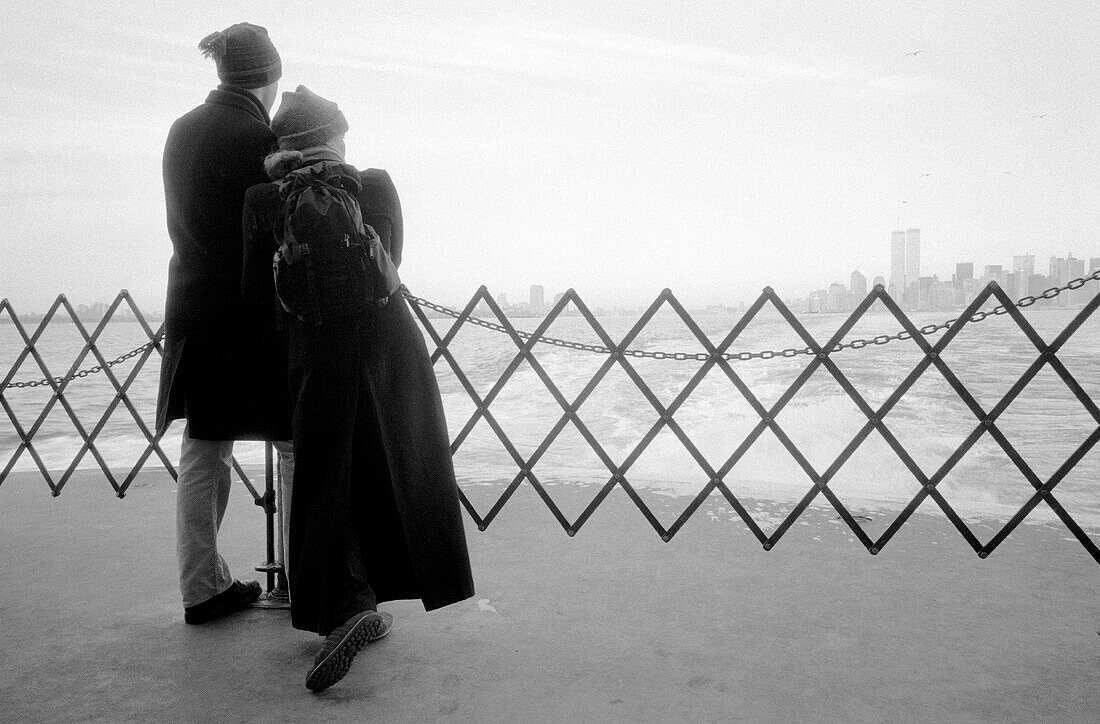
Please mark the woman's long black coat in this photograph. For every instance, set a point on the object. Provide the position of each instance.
(414, 535)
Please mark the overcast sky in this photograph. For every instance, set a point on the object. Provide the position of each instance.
(618, 148)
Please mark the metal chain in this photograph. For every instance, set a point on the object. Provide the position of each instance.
(88, 371)
(881, 339)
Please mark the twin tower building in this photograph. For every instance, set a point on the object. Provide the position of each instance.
(904, 263)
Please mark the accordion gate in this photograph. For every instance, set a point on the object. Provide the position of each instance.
(619, 353)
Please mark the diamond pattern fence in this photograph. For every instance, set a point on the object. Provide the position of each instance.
(620, 355)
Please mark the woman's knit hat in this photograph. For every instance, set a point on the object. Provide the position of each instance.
(245, 56)
(305, 119)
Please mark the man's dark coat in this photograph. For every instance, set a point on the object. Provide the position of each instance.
(223, 368)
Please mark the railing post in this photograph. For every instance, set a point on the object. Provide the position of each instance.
(267, 502)
(277, 595)
(269, 511)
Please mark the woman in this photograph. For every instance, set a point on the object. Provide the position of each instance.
(374, 514)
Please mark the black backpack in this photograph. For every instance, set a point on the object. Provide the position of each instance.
(329, 264)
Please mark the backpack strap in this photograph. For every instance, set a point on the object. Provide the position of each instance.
(314, 288)
(291, 190)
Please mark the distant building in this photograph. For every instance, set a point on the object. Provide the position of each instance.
(502, 300)
(1058, 274)
(993, 273)
(934, 294)
(964, 272)
(944, 294)
(1076, 267)
(557, 298)
(879, 282)
(93, 313)
(912, 257)
(1089, 290)
(1036, 284)
(1058, 270)
(964, 283)
(897, 265)
(818, 301)
(1023, 267)
(1062, 271)
(925, 298)
(905, 265)
(837, 298)
(857, 287)
(1077, 297)
(537, 298)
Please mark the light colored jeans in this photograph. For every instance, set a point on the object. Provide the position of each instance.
(284, 456)
(202, 493)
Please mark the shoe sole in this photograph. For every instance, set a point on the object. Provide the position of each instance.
(338, 662)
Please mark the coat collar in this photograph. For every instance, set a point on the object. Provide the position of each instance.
(228, 95)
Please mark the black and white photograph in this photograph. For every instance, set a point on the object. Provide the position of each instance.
(550, 362)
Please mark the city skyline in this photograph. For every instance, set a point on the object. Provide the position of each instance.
(1060, 271)
(910, 265)
(616, 150)
(914, 291)
(1021, 281)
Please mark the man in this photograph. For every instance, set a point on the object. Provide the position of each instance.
(223, 371)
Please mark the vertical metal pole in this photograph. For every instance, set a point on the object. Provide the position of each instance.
(269, 511)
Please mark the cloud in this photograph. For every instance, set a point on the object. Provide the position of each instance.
(55, 74)
(590, 57)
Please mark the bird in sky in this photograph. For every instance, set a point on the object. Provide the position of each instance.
(1039, 115)
(925, 174)
(915, 53)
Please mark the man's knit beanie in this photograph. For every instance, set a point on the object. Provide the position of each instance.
(305, 119)
(245, 56)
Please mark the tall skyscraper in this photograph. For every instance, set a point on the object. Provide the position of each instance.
(538, 298)
(897, 265)
(904, 263)
(912, 256)
(964, 272)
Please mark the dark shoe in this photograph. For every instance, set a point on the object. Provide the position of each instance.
(231, 600)
(340, 647)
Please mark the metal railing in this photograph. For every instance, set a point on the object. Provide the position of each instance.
(720, 356)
